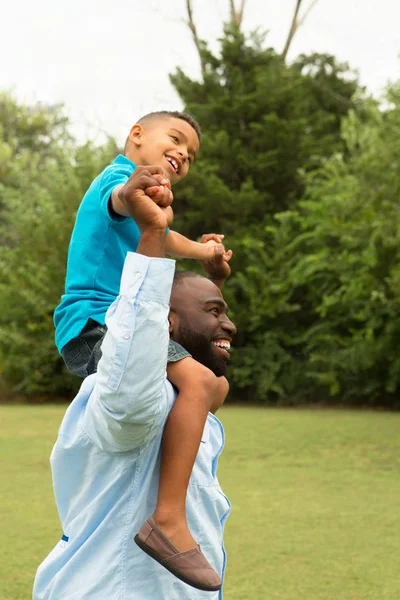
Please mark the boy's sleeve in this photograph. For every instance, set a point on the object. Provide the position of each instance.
(113, 176)
(130, 403)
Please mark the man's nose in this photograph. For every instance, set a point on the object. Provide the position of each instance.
(228, 326)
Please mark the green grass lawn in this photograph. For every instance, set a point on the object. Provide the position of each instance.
(315, 502)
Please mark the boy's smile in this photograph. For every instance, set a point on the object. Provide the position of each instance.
(166, 142)
(175, 163)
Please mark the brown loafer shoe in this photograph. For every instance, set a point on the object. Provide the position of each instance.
(191, 566)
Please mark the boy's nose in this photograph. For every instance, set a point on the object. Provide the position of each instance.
(184, 153)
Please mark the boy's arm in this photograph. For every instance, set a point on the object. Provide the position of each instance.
(117, 205)
(187, 375)
(209, 251)
(179, 246)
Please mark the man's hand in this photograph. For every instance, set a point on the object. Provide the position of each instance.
(147, 198)
(217, 266)
(209, 241)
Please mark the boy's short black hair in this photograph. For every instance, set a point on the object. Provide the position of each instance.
(176, 115)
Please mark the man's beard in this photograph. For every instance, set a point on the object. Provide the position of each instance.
(201, 350)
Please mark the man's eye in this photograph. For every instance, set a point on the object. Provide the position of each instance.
(215, 310)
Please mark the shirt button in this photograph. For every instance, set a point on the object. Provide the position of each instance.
(126, 336)
(138, 275)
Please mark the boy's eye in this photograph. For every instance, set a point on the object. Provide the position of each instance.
(175, 138)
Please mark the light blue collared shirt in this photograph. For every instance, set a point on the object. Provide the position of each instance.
(105, 462)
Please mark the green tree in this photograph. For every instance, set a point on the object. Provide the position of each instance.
(43, 179)
(268, 128)
(321, 284)
(264, 124)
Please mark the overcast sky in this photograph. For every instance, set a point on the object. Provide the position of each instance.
(108, 62)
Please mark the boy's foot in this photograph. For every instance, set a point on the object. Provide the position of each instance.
(191, 566)
(175, 529)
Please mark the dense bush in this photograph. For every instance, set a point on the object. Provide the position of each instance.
(318, 298)
(43, 178)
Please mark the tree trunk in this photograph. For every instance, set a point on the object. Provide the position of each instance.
(196, 39)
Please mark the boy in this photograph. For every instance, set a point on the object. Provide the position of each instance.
(166, 142)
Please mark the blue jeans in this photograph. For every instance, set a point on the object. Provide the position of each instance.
(82, 354)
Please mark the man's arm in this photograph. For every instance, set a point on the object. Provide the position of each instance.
(129, 401)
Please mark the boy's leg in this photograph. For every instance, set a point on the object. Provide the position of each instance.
(82, 354)
(181, 440)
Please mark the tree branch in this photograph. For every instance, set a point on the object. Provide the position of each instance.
(237, 15)
(196, 39)
(304, 17)
(292, 30)
(296, 23)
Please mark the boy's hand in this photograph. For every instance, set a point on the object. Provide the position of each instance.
(136, 196)
(161, 193)
(210, 241)
(216, 264)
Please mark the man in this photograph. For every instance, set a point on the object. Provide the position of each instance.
(105, 463)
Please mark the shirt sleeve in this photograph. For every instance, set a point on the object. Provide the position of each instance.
(129, 402)
(114, 175)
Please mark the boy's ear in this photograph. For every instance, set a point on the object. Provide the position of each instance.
(136, 134)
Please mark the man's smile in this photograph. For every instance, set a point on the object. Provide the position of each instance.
(223, 347)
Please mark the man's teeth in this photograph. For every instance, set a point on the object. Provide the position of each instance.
(223, 344)
(173, 162)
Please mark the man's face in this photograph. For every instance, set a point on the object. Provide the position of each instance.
(199, 322)
(165, 142)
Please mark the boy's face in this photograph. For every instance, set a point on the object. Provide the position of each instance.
(165, 142)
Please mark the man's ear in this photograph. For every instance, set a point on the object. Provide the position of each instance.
(173, 320)
(136, 134)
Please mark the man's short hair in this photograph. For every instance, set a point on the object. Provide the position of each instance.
(176, 115)
(180, 277)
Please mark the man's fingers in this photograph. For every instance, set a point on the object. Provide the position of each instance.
(221, 255)
(145, 180)
(163, 180)
(228, 255)
(219, 251)
(153, 170)
(145, 177)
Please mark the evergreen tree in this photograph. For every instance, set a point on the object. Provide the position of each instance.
(265, 123)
